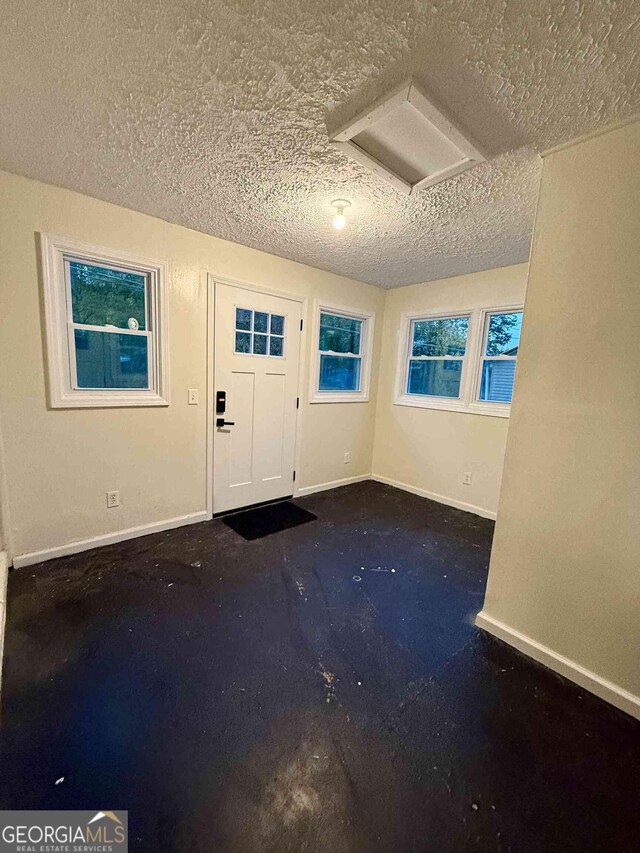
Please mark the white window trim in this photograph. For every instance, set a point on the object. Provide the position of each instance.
(60, 349)
(471, 364)
(366, 346)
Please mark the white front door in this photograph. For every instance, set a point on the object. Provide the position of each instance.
(257, 355)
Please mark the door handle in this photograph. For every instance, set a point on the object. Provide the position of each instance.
(220, 422)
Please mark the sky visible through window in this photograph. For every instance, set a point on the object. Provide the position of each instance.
(504, 333)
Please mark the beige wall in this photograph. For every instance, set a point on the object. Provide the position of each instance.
(429, 449)
(60, 463)
(3, 499)
(565, 570)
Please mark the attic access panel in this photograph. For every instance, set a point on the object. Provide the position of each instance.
(406, 140)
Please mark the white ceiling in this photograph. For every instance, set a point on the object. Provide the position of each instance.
(214, 113)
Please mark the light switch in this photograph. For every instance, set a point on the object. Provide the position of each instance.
(193, 397)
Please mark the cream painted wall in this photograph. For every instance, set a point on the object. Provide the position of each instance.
(565, 569)
(428, 449)
(60, 463)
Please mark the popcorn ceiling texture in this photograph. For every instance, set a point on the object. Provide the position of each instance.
(214, 115)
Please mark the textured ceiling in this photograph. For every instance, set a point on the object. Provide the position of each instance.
(214, 115)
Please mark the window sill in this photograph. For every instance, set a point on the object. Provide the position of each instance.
(330, 397)
(496, 410)
(78, 400)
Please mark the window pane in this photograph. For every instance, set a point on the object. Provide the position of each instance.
(260, 322)
(275, 346)
(504, 333)
(277, 324)
(243, 319)
(339, 373)
(243, 342)
(497, 381)
(105, 297)
(109, 360)
(437, 378)
(340, 334)
(260, 344)
(440, 337)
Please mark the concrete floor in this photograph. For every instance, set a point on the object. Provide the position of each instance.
(297, 694)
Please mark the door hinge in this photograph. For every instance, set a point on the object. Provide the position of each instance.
(301, 323)
(294, 476)
(297, 402)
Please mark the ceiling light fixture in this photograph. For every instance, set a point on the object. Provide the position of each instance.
(340, 220)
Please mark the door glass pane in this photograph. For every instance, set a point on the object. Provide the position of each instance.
(275, 346)
(260, 344)
(109, 360)
(104, 297)
(438, 378)
(339, 373)
(447, 336)
(277, 324)
(260, 322)
(340, 334)
(243, 342)
(497, 381)
(503, 336)
(243, 319)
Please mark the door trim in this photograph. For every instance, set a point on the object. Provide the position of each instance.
(210, 280)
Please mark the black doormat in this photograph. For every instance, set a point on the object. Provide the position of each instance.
(265, 520)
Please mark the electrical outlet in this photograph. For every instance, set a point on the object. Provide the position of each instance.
(113, 499)
(347, 457)
(466, 478)
(192, 397)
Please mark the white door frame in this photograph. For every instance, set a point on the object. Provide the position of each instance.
(211, 280)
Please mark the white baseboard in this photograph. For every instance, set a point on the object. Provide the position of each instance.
(607, 690)
(334, 484)
(432, 496)
(107, 539)
(4, 577)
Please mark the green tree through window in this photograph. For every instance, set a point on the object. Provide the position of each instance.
(504, 332)
(447, 336)
(105, 297)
